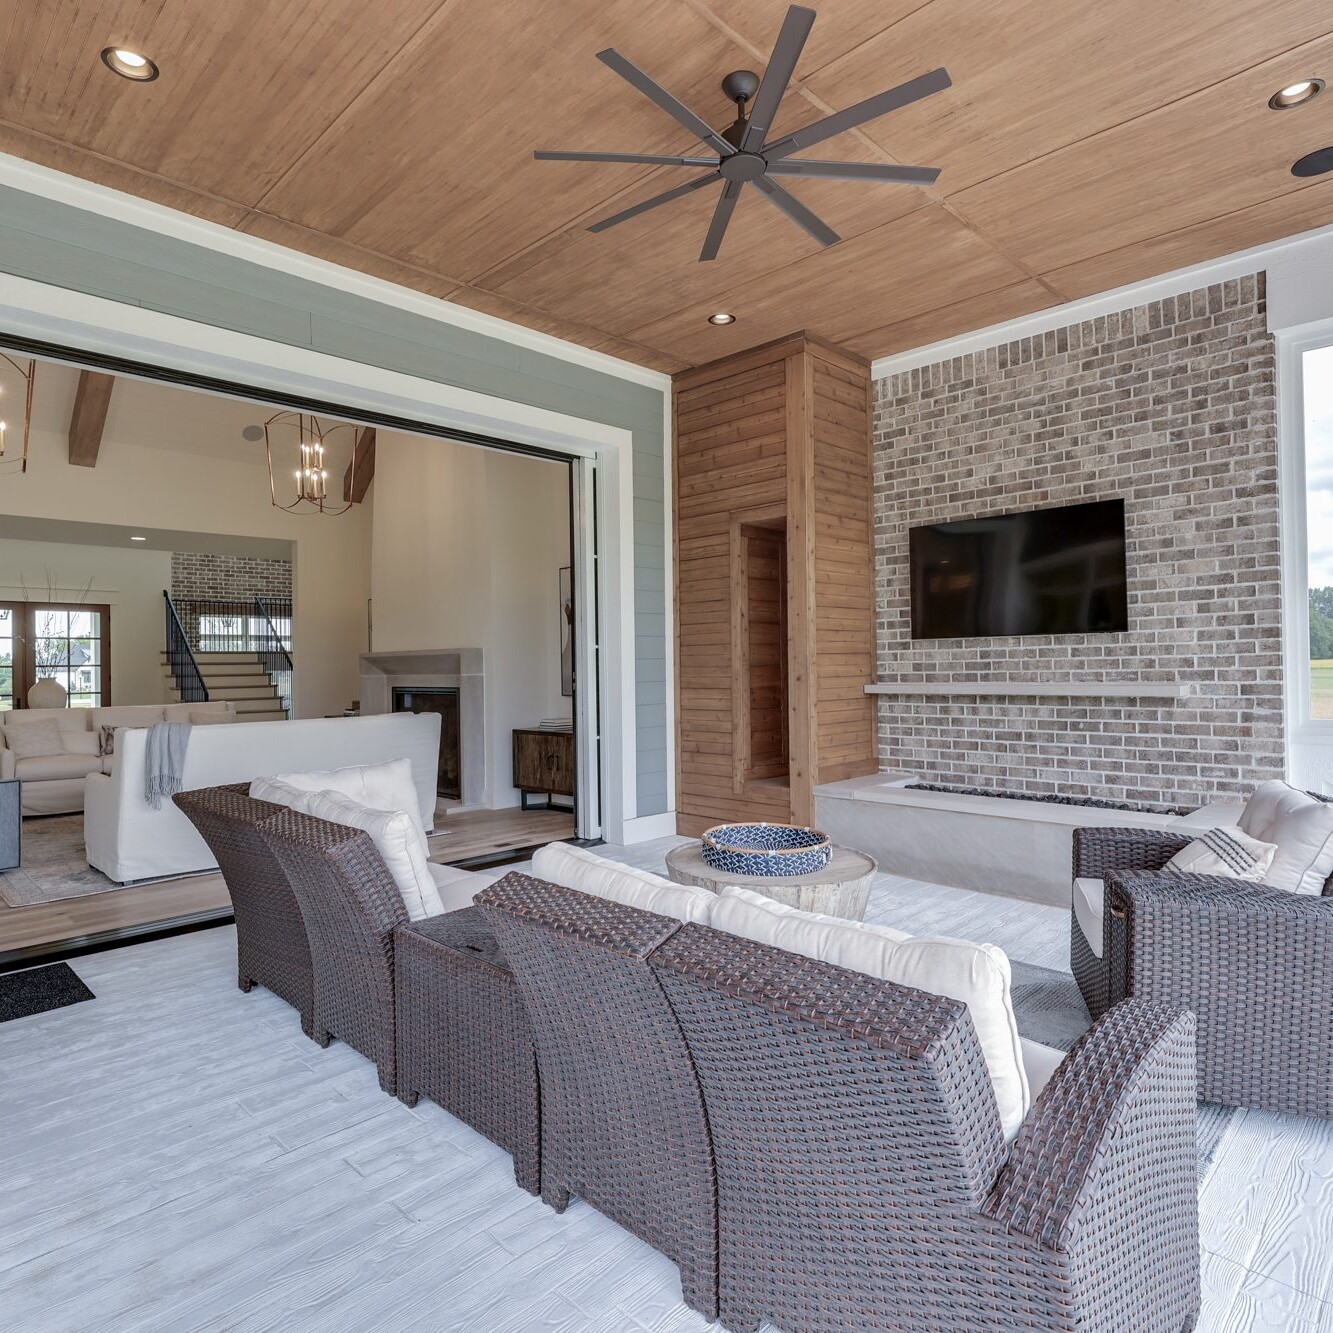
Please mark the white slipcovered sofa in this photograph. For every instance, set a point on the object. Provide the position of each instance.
(53, 781)
(128, 840)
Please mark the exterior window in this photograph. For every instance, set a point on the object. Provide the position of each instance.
(57, 641)
(1317, 378)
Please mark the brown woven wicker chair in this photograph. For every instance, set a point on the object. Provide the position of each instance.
(271, 946)
(1254, 964)
(862, 1174)
(464, 1040)
(623, 1122)
(351, 909)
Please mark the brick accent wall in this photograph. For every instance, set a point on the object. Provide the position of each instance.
(198, 574)
(1171, 405)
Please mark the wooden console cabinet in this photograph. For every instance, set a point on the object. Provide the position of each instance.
(775, 609)
(543, 763)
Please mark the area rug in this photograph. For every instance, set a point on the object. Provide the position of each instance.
(54, 864)
(1049, 1008)
(37, 989)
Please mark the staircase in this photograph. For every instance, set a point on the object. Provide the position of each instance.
(239, 677)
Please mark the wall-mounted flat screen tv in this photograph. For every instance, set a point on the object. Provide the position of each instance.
(1046, 571)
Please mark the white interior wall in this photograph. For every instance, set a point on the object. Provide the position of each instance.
(171, 458)
(129, 581)
(466, 552)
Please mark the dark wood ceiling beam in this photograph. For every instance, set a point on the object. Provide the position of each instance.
(361, 470)
(88, 420)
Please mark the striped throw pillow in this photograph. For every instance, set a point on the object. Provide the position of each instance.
(1225, 851)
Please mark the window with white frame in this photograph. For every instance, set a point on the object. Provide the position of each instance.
(1317, 409)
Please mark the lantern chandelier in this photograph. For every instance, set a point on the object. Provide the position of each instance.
(304, 440)
(16, 382)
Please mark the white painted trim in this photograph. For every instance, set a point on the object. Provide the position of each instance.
(1038, 689)
(96, 324)
(1237, 265)
(669, 565)
(77, 193)
(586, 633)
(648, 826)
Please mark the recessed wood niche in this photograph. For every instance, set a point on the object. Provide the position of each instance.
(775, 618)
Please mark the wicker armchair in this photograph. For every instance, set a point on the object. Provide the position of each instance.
(862, 1174)
(351, 909)
(1255, 964)
(464, 1040)
(622, 1117)
(271, 945)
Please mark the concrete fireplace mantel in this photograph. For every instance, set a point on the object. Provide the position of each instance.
(462, 669)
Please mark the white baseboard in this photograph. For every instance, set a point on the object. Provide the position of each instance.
(647, 827)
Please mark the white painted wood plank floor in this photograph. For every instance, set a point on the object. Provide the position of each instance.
(177, 1156)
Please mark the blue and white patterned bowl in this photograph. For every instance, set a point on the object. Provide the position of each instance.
(766, 849)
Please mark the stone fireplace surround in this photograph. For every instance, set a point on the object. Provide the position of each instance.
(462, 669)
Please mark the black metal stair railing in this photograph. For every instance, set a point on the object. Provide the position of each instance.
(180, 658)
(272, 646)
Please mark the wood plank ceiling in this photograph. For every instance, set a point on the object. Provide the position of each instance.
(1083, 145)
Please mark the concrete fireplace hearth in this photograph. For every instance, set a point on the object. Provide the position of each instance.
(461, 669)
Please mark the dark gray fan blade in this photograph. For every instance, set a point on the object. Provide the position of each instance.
(726, 206)
(648, 159)
(854, 171)
(797, 211)
(632, 74)
(879, 105)
(781, 66)
(658, 199)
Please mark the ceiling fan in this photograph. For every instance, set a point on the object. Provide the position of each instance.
(742, 153)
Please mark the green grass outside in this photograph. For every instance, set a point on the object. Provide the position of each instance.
(1321, 689)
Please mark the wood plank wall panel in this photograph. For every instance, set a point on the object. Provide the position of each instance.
(774, 440)
(730, 468)
(844, 620)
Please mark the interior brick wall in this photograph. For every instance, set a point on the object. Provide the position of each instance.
(199, 574)
(1171, 405)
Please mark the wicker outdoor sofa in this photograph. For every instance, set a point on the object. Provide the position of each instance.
(320, 922)
(861, 1177)
(1253, 963)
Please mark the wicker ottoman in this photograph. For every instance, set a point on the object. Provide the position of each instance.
(463, 1034)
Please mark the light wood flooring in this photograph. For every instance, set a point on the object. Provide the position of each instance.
(178, 1157)
(73, 922)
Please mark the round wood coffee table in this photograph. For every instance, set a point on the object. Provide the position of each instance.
(842, 888)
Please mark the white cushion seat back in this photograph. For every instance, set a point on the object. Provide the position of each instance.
(976, 974)
(1302, 828)
(1089, 905)
(578, 868)
(386, 786)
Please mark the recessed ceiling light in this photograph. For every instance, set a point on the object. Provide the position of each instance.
(721, 318)
(129, 64)
(1296, 94)
(138, 539)
(1313, 164)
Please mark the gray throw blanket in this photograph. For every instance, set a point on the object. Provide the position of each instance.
(167, 742)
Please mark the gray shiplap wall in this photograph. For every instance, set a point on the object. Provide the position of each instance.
(70, 247)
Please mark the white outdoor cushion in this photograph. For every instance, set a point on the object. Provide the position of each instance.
(396, 839)
(1039, 1063)
(576, 868)
(82, 742)
(1089, 907)
(976, 974)
(1302, 828)
(68, 720)
(456, 887)
(51, 767)
(35, 740)
(387, 786)
(1225, 851)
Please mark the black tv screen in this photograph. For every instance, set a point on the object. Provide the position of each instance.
(1047, 571)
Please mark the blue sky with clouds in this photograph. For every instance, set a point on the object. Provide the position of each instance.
(1318, 368)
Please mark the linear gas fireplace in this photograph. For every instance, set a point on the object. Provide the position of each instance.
(444, 701)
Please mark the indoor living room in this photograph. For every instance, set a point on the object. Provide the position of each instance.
(807, 804)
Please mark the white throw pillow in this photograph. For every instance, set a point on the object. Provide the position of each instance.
(576, 868)
(1225, 851)
(386, 786)
(976, 974)
(395, 839)
(1302, 829)
(34, 740)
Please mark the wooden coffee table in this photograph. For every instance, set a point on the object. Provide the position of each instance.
(842, 888)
